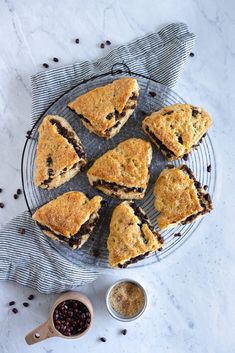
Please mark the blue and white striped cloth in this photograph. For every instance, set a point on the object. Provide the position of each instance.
(29, 259)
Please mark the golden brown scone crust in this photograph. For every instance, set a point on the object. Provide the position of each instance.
(62, 153)
(178, 122)
(97, 104)
(67, 213)
(177, 198)
(127, 164)
(125, 240)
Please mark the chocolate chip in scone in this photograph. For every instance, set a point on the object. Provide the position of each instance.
(14, 310)
(185, 157)
(207, 197)
(124, 332)
(109, 116)
(19, 191)
(123, 114)
(108, 42)
(103, 339)
(102, 45)
(15, 196)
(2, 205)
(21, 231)
(45, 65)
(152, 94)
(77, 40)
(198, 184)
(191, 54)
(194, 112)
(209, 168)
(55, 60)
(26, 304)
(180, 140)
(177, 235)
(49, 161)
(11, 303)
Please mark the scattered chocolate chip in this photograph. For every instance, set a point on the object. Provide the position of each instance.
(191, 54)
(15, 196)
(19, 191)
(209, 168)
(160, 249)
(185, 157)
(152, 94)
(124, 332)
(207, 197)
(170, 166)
(95, 252)
(108, 42)
(77, 41)
(103, 339)
(177, 235)
(21, 231)
(205, 187)
(12, 303)
(26, 304)
(14, 310)
(55, 60)
(1, 205)
(31, 297)
(0, 189)
(45, 65)
(102, 45)
(28, 134)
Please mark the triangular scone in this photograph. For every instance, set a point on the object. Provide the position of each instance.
(60, 154)
(104, 110)
(131, 237)
(179, 197)
(69, 218)
(123, 171)
(177, 129)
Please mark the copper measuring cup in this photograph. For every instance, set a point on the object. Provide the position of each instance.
(47, 329)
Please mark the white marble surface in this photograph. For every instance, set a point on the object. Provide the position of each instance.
(191, 306)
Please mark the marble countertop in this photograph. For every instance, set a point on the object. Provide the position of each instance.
(191, 293)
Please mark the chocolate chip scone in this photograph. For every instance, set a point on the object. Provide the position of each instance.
(179, 197)
(104, 110)
(60, 154)
(131, 237)
(69, 218)
(177, 129)
(123, 171)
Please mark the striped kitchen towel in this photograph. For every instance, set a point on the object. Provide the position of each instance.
(28, 258)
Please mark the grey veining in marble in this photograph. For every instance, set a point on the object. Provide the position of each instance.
(191, 293)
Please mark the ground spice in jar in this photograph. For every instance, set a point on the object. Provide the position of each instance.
(127, 299)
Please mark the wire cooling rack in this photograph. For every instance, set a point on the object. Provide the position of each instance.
(198, 161)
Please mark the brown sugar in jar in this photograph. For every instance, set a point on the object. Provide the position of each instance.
(127, 299)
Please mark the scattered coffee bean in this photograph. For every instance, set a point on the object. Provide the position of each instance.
(12, 303)
(205, 187)
(19, 191)
(124, 332)
(15, 196)
(108, 42)
(2, 205)
(185, 157)
(177, 235)
(0, 189)
(21, 231)
(103, 339)
(31, 297)
(55, 60)
(191, 54)
(26, 304)
(95, 252)
(45, 65)
(152, 94)
(14, 310)
(209, 168)
(102, 45)
(77, 41)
